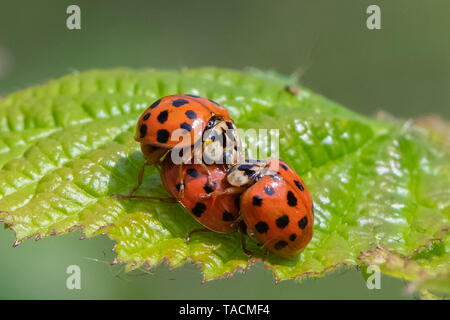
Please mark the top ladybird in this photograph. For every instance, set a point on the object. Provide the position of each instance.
(180, 121)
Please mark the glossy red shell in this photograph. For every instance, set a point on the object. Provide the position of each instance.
(278, 211)
(186, 112)
(217, 213)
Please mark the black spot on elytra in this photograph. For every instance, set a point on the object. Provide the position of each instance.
(191, 114)
(186, 126)
(192, 172)
(199, 209)
(292, 237)
(143, 130)
(162, 136)
(291, 199)
(155, 104)
(162, 117)
(282, 221)
(215, 103)
(257, 201)
(226, 216)
(280, 245)
(146, 116)
(261, 227)
(209, 187)
(269, 190)
(285, 167)
(303, 222)
(299, 185)
(179, 102)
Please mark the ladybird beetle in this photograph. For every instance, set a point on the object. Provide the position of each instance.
(199, 120)
(216, 213)
(275, 205)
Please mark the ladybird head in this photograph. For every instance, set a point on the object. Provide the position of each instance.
(246, 173)
(221, 142)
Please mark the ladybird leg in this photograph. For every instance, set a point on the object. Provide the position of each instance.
(188, 237)
(205, 167)
(180, 175)
(158, 166)
(243, 230)
(230, 190)
(244, 246)
(140, 179)
(121, 196)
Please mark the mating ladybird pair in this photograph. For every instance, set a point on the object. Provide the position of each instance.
(266, 200)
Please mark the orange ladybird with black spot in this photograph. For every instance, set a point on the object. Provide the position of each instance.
(218, 213)
(189, 113)
(275, 206)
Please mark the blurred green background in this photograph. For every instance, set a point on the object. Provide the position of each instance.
(404, 69)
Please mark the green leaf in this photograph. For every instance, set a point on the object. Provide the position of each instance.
(380, 188)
